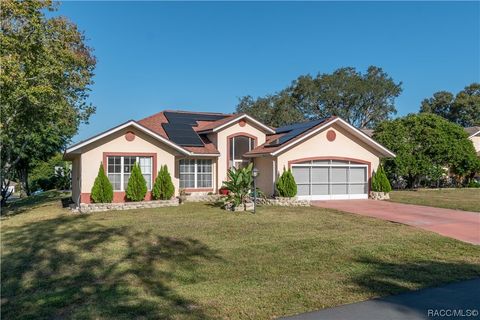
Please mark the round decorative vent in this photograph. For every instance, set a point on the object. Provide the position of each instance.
(331, 135)
(129, 136)
(242, 123)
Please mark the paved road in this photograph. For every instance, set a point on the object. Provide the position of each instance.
(432, 303)
(457, 224)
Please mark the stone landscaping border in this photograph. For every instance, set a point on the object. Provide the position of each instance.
(283, 202)
(379, 195)
(203, 198)
(101, 207)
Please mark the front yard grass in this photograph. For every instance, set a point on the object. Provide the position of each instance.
(461, 199)
(197, 261)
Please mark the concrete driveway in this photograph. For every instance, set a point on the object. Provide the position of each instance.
(456, 300)
(460, 225)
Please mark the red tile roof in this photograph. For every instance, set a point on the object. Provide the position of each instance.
(154, 123)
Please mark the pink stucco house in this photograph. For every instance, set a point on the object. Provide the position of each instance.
(330, 159)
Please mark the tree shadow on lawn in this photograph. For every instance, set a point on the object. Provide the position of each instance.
(384, 278)
(69, 267)
(34, 201)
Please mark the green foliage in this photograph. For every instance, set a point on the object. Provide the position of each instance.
(473, 184)
(286, 186)
(102, 190)
(380, 181)
(275, 110)
(364, 100)
(163, 187)
(47, 70)
(44, 175)
(239, 183)
(426, 144)
(463, 109)
(137, 186)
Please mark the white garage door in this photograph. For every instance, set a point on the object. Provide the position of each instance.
(331, 179)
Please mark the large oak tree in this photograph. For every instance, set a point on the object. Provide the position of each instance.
(362, 99)
(47, 69)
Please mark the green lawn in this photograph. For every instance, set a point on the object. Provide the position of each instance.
(461, 199)
(200, 262)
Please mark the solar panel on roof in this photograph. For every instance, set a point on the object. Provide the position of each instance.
(182, 134)
(179, 127)
(293, 130)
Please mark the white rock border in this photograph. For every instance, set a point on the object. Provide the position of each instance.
(101, 207)
(379, 195)
(203, 198)
(284, 202)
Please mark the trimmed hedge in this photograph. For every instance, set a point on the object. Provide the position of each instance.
(380, 181)
(102, 190)
(137, 186)
(163, 188)
(286, 186)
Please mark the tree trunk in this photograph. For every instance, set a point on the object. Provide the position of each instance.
(23, 177)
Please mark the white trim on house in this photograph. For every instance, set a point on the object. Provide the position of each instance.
(335, 197)
(357, 133)
(473, 135)
(258, 123)
(123, 126)
(143, 129)
(204, 154)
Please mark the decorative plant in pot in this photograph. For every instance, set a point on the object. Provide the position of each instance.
(380, 185)
(286, 186)
(239, 184)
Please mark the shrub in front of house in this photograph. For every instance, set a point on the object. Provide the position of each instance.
(239, 184)
(137, 186)
(286, 186)
(380, 181)
(163, 188)
(102, 190)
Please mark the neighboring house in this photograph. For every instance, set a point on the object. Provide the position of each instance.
(474, 135)
(12, 187)
(330, 159)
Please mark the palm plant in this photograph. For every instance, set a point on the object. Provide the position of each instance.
(239, 184)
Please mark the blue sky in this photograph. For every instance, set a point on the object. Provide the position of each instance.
(203, 56)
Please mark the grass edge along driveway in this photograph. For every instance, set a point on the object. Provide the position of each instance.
(467, 199)
(196, 261)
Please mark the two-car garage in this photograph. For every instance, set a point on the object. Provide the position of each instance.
(331, 179)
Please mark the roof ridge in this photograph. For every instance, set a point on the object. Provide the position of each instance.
(187, 112)
(151, 116)
(198, 112)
